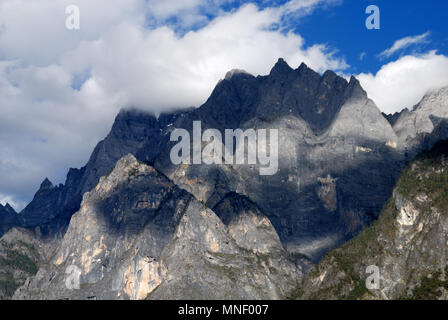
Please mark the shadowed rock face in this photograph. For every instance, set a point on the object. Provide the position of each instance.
(137, 233)
(8, 218)
(408, 243)
(327, 128)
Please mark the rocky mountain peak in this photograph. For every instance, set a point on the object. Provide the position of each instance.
(46, 184)
(140, 226)
(301, 99)
(329, 76)
(126, 168)
(8, 219)
(234, 72)
(10, 209)
(436, 96)
(303, 67)
(281, 69)
(424, 117)
(354, 89)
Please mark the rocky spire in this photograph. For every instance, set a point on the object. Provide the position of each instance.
(354, 89)
(280, 69)
(46, 184)
(9, 208)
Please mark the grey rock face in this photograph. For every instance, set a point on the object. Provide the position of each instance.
(138, 236)
(338, 156)
(327, 127)
(358, 146)
(408, 243)
(420, 121)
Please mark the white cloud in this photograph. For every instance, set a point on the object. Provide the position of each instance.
(48, 125)
(402, 83)
(404, 43)
(8, 199)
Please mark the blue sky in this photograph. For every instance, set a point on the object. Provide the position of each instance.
(342, 27)
(60, 89)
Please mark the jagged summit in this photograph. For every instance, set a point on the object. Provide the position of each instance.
(46, 184)
(138, 224)
(355, 90)
(327, 126)
(437, 96)
(423, 118)
(9, 208)
(312, 101)
(281, 68)
(300, 92)
(8, 218)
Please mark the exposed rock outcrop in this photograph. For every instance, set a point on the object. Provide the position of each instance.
(326, 124)
(408, 244)
(137, 236)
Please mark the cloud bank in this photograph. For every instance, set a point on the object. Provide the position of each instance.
(61, 89)
(402, 83)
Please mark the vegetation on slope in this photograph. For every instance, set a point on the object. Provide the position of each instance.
(341, 273)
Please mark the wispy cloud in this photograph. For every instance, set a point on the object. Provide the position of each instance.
(404, 43)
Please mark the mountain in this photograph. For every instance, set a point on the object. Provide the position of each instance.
(137, 234)
(328, 128)
(424, 117)
(407, 243)
(8, 218)
(339, 160)
(392, 118)
(20, 254)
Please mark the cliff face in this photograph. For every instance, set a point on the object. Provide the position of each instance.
(175, 231)
(423, 117)
(138, 236)
(311, 112)
(328, 128)
(408, 243)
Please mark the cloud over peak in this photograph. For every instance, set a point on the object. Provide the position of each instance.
(59, 101)
(402, 83)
